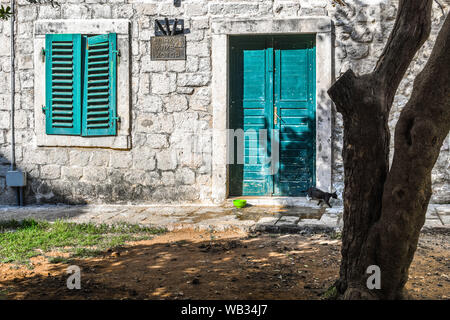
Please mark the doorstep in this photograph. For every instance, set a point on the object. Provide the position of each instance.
(278, 201)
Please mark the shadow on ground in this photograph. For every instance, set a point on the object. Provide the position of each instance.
(189, 265)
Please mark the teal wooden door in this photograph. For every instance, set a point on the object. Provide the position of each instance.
(272, 78)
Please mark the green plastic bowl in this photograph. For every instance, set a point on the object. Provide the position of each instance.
(239, 203)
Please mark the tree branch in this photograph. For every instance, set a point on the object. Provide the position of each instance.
(412, 28)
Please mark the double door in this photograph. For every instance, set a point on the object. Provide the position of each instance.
(272, 100)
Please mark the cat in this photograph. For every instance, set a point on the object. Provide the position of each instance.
(322, 196)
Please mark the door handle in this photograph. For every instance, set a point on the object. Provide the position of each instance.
(276, 116)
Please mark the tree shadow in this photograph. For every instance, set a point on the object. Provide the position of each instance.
(265, 267)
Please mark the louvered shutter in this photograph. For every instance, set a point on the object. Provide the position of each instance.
(99, 105)
(63, 84)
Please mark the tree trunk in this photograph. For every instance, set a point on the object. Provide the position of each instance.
(420, 132)
(385, 210)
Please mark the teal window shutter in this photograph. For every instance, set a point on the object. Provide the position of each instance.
(100, 76)
(63, 84)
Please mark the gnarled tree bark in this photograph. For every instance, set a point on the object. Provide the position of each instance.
(385, 210)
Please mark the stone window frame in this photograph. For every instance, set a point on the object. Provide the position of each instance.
(221, 30)
(122, 140)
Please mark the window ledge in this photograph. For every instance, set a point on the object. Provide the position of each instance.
(113, 142)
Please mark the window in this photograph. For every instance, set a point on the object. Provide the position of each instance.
(84, 29)
(80, 84)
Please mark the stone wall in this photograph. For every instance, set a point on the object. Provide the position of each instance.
(170, 100)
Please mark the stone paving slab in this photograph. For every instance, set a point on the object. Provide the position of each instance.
(174, 217)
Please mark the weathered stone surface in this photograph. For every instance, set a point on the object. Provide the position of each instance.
(72, 173)
(176, 103)
(163, 83)
(50, 172)
(200, 49)
(185, 176)
(4, 120)
(121, 159)
(99, 159)
(195, 9)
(192, 63)
(79, 157)
(362, 34)
(59, 157)
(155, 123)
(168, 178)
(357, 51)
(166, 160)
(92, 174)
(147, 65)
(49, 12)
(157, 141)
(201, 99)
(74, 11)
(204, 65)
(144, 160)
(101, 11)
(233, 9)
(193, 79)
(150, 103)
(176, 65)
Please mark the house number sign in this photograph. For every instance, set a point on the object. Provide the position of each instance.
(168, 48)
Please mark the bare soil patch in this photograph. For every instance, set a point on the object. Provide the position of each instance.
(188, 264)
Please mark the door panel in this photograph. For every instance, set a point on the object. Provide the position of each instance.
(294, 103)
(251, 98)
(293, 66)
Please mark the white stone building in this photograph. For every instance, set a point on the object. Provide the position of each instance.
(171, 142)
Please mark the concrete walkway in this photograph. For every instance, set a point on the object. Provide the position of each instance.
(172, 217)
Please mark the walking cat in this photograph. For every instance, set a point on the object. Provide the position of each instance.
(322, 196)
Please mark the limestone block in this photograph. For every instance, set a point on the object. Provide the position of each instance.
(50, 172)
(193, 79)
(166, 160)
(79, 157)
(150, 103)
(163, 83)
(120, 160)
(157, 141)
(72, 173)
(201, 99)
(357, 51)
(176, 103)
(185, 176)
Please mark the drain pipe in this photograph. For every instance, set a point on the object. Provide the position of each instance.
(13, 173)
(14, 178)
(13, 142)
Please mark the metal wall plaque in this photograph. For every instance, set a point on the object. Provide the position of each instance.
(168, 48)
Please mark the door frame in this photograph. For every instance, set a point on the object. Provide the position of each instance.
(221, 31)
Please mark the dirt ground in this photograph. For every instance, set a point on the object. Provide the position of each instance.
(225, 265)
